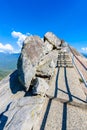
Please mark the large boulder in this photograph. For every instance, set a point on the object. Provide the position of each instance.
(52, 39)
(47, 65)
(30, 56)
(33, 47)
(47, 47)
(34, 53)
(40, 86)
(45, 71)
(26, 71)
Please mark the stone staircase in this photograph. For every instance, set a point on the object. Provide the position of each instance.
(66, 106)
(64, 60)
(63, 108)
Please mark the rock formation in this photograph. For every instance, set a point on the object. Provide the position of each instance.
(52, 39)
(31, 53)
(37, 57)
(45, 89)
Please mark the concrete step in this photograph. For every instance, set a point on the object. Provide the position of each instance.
(66, 106)
(65, 65)
(64, 62)
(59, 58)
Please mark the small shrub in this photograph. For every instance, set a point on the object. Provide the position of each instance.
(81, 80)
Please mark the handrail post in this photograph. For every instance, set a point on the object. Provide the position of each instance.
(81, 75)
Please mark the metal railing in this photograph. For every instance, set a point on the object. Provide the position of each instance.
(73, 62)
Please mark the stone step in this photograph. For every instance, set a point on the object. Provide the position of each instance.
(62, 54)
(66, 106)
(62, 64)
(62, 57)
(64, 61)
(68, 60)
(69, 66)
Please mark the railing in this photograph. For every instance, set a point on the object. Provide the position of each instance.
(81, 75)
(77, 58)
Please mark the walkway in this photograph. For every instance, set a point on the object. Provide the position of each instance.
(66, 104)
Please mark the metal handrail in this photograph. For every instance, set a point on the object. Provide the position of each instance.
(81, 75)
(77, 58)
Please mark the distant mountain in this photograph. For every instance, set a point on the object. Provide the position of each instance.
(8, 63)
(85, 55)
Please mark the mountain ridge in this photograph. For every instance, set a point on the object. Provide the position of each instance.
(8, 63)
(53, 91)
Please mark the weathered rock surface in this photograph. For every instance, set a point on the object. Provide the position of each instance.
(47, 64)
(47, 47)
(23, 112)
(33, 47)
(31, 54)
(42, 65)
(40, 86)
(52, 55)
(34, 50)
(63, 43)
(18, 110)
(26, 71)
(52, 39)
(45, 71)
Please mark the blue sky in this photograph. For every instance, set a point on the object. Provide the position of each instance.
(66, 18)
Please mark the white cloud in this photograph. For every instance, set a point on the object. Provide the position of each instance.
(7, 48)
(84, 49)
(21, 37)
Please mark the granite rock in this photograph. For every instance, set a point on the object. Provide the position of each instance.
(31, 53)
(23, 113)
(52, 39)
(40, 86)
(47, 47)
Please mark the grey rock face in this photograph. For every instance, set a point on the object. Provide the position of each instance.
(45, 71)
(33, 47)
(20, 110)
(47, 47)
(64, 44)
(40, 86)
(52, 64)
(25, 70)
(31, 53)
(47, 64)
(52, 39)
(23, 113)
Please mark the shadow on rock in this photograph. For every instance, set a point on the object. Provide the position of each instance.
(28, 93)
(3, 118)
(15, 85)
